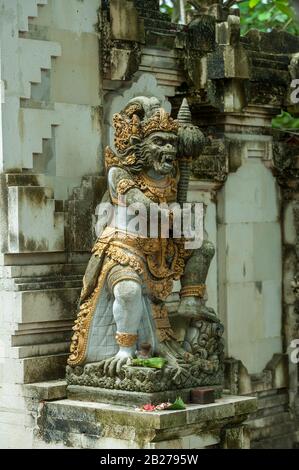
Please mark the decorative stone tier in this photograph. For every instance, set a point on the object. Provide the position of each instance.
(123, 397)
(69, 423)
(145, 379)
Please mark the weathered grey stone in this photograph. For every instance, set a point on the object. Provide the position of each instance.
(54, 390)
(199, 425)
(125, 22)
(37, 322)
(126, 398)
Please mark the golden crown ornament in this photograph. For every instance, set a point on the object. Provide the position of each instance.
(128, 124)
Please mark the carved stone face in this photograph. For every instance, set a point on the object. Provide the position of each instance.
(160, 150)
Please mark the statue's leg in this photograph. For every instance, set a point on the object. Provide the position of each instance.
(127, 313)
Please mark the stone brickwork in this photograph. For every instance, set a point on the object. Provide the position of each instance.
(67, 423)
(50, 167)
(235, 86)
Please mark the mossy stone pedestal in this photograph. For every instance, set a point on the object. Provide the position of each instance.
(82, 424)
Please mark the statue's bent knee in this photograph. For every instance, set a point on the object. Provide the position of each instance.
(127, 291)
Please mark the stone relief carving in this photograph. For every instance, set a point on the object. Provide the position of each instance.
(123, 311)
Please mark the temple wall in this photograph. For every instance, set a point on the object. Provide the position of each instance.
(67, 79)
(50, 178)
(250, 264)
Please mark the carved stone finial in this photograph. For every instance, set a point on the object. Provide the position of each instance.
(184, 115)
(191, 139)
(191, 143)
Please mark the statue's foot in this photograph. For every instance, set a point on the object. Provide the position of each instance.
(194, 307)
(112, 366)
(175, 355)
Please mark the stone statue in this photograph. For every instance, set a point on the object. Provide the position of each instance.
(123, 314)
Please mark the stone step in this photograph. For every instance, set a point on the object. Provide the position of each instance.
(278, 442)
(272, 420)
(51, 390)
(67, 277)
(43, 368)
(269, 63)
(48, 285)
(50, 270)
(277, 58)
(273, 401)
(272, 431)
(155, 15)
(279, 76)
(262, 413)
(35, 350)
(98, 425)
(28, 9)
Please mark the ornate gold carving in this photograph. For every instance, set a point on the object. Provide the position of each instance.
(163, 327)
(103, 241)
(119, 273)
(193, 291)
(164, 191)
(111, 159)
(117, 253)
(125, 128)
(159, 289)
(124, 185)
(133, 109)
(123, 277)
(130, 159)
(126, 340)
(127, 124)
(160, 122)
(141, 255)
(128, 251)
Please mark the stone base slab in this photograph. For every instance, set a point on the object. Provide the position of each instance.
(72, 423)
(125, 398)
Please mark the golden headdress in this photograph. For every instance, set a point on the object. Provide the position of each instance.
(131, 123)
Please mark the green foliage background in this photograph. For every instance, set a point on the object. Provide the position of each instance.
(260, 14)
(268, 14)
(263, 15)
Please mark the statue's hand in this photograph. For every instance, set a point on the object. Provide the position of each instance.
(195, 308)
(112, 366)
(190, 307)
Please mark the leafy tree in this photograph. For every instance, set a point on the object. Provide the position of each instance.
(263, 15)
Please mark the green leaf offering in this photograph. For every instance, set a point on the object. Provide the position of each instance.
(178, 405)
(154, 362)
